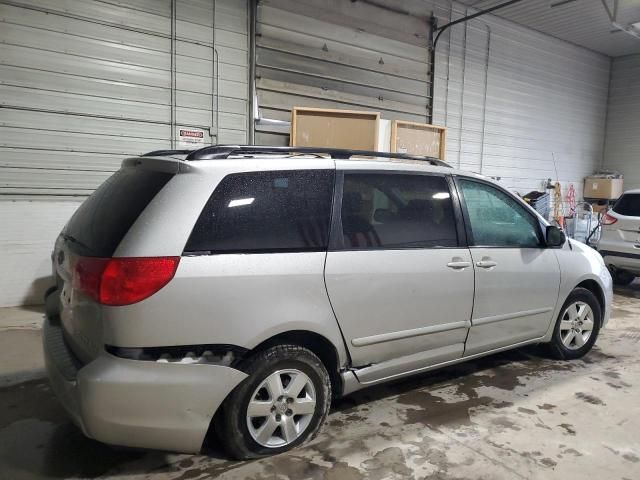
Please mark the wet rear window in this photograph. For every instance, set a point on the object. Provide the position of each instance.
(261, 212)
(628, 204)
(101, 222)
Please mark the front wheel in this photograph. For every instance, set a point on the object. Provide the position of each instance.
(282, 403)
(577, 326)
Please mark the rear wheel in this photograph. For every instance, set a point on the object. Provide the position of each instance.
(283, 403)
(577, 326)
(622, 277)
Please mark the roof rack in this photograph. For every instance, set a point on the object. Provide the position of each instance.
(225, 151)
(166, 153)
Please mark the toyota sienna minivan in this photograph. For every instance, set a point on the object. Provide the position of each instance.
(237, 290)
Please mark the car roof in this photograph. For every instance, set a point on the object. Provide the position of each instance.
(271, 157)
(274, 162)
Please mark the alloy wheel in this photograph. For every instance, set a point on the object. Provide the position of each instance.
(576, 325)
(281, 408)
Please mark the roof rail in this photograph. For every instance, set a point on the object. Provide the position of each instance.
(166, 153)
(225, 151)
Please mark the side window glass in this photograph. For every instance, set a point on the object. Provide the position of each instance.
(497, 220)
(628, 205)
(388, 211)
(266, 212)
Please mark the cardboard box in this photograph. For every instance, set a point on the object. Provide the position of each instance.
(418, 139)
(605, 188)
(321, 127)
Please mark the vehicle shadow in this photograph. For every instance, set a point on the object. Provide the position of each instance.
(33, 299)
(520, 362)
(628, 291)
(38, 441)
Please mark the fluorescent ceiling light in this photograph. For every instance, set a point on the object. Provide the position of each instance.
(240, 202)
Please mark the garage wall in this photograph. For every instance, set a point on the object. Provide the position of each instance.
(29, 228)
(340, 54)
(622, 145)
(86, 83)
(514, 100)
(518, 104)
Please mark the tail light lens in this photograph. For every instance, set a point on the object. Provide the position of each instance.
(123, 281)
(608, 219)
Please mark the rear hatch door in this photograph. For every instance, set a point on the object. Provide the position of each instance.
(95, 230)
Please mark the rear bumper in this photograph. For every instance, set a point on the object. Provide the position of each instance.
(135, 403)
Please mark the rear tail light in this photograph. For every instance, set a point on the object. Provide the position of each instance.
(123, 281)
(608, 219)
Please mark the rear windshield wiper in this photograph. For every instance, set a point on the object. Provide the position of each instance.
(72, 239)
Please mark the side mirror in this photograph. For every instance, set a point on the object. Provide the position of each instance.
(555, 237)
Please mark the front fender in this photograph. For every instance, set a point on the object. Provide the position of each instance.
(580, 263)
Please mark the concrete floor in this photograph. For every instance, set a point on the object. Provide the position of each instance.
(510, 416)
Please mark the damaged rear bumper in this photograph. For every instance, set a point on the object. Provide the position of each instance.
(134, 403)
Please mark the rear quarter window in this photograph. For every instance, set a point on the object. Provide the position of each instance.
(628, 205)
(260, 212)
(101, 222)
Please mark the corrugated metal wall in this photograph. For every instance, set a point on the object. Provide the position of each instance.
(518, 104)
(340, 54)
(85, 83)
(622, 144)
(515, 100)
(28, 231)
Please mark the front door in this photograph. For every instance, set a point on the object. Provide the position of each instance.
(399, 283)
(517, 277)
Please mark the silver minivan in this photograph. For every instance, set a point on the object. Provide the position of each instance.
(237, 290)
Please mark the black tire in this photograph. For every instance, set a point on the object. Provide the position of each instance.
(52, 302)
(622, 278)
(232, 430)
(555, 347)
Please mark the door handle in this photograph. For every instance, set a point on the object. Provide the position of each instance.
(486, 264)
(458, 265)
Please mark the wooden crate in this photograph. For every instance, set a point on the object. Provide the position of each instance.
(418, 139)
(320, 127)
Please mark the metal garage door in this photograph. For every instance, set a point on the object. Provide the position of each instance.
(340, 54)
(86, 83)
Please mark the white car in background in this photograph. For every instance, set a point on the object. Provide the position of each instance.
(619, 242)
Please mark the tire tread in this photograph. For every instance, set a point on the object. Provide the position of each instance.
(554, 348)
(226, 430)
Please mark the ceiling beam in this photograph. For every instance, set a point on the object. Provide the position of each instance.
(612, 13)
